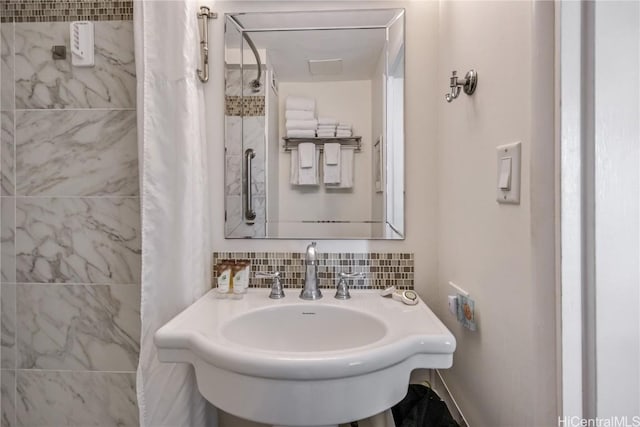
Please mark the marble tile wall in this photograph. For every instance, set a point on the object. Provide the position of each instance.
(244, 129)
(69, 229)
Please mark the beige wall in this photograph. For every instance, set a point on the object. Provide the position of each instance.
(503, 374)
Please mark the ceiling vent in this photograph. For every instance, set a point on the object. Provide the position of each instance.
(319, 67)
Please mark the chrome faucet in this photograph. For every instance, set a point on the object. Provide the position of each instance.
(310, 288)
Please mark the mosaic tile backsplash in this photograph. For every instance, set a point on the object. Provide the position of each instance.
(65, 10)
(381, 269)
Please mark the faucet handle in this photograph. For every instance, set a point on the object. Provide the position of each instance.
(277, 292)
(342, 290)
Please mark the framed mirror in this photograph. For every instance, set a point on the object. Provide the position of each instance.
(314, 124)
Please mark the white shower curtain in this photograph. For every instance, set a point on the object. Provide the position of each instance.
(176, 246)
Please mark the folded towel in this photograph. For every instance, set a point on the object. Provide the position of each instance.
(332, 153)
(299, 115)
(310, 176)
(331, 165)
(302, 124)
(326, 127)
(345, 126)
(330, 134)
(300, 103)
(327, 121)
(306, 154)
(343, 133)
(346, 169)
(301, 133)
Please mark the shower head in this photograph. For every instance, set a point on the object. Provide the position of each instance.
(255, 85)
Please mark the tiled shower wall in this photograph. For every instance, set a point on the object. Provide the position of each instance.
(70, 226)
(245, 128)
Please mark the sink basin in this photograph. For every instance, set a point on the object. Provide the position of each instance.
(292, 362)
(304, 328)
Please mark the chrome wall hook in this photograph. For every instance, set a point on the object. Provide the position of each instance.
(468, 84)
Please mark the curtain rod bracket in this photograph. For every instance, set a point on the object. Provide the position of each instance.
(203, 16)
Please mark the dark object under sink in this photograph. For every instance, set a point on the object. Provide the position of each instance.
(422, 407)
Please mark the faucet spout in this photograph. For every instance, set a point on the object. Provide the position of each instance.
(310, 290)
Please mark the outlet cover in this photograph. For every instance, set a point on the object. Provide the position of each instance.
(508, 173)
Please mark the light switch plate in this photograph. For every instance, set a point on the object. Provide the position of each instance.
(513, 151)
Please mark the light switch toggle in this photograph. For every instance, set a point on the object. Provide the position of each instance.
(507, 183)
(504, 182)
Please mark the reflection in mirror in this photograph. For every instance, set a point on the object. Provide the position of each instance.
(314, 135)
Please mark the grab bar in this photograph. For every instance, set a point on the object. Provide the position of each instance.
(249, 213)
(203, 17)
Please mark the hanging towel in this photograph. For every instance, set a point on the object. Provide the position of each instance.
(300, 133)
(327, 121)
(332, 154)
(332, 168)
(294, 176)
(300, 103)
(306, 154)
(310, 176)
(302, 124)
(346, 168)
(299, 115)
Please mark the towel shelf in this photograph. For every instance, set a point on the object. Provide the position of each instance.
(352, 141)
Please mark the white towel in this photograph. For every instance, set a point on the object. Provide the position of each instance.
(293, 174)
(306, 154)
(302, 124)
(310, 176)
(346, 167)
(301, 133)
(344, 126)
(300, 103)
(299, 115)
(332, 153)
(329, 134)
(343, 133)
(327, 121)
(332, 168)
(326, 127)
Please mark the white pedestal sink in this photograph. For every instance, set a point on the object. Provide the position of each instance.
(291, 362)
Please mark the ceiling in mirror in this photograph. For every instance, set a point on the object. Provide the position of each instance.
(357, 51)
